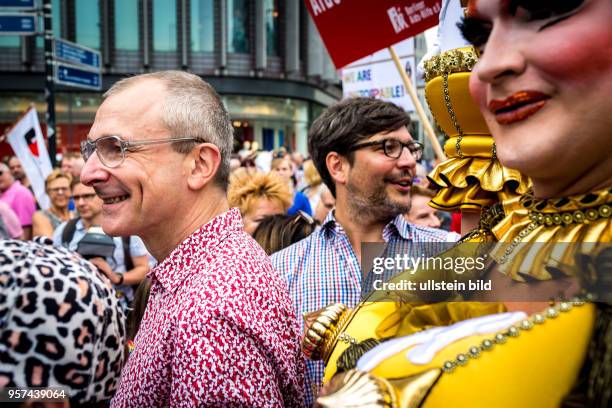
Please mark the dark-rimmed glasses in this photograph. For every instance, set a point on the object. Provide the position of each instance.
(111, 149)
(393, 148)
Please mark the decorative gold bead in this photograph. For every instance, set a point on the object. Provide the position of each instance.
(552, 312)
(448, 366)
(513, 332)
(605, 211)
(500, 338)
(526, 325)
(578, 216)
(565, 306)
(591, 214)
(567, 218)
(487, 345)
(462, 359)
(538, 318)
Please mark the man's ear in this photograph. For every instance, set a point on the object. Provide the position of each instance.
(338, 167)
(203, 163)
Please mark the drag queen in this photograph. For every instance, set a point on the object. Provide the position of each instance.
(543, 82)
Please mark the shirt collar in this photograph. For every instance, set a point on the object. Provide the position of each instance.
(398, 226)
(180, 263)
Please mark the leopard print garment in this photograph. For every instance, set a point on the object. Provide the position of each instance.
(60, 322)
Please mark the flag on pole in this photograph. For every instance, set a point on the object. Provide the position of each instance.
(26, 140)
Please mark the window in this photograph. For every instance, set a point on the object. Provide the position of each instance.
(126, 25)
(271, 19)
(56, 17)
(238, 36)
(202, 25)
(87, 14)
(164, 25)
(9, 41)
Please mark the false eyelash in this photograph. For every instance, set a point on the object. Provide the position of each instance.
(475, 31)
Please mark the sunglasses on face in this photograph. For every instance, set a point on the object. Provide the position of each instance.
(111, 149)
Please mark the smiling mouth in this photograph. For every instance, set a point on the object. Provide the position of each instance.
(114, 200)
(401, 183)
(518, 106)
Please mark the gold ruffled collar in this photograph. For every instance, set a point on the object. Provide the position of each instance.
(551, 232)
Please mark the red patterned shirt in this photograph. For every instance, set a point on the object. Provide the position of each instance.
(219, 328)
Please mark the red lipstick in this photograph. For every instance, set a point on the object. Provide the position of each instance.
(518, 106)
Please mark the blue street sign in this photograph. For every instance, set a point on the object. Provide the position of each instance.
(76, 54)
(78, 77)
(17, 23)
(21, 4)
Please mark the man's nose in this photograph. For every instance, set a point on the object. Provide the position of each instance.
(406, 159)
(93, 171)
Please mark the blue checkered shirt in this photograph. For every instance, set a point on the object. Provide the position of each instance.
(323, 269)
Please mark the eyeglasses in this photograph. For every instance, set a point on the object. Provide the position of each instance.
(393, 148)
(59, 190)
(85, 197)
(111, 149)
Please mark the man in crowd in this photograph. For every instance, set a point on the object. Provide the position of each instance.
(129, 262)
(366, 156)
(420, 212)
(18, 172)
(19, 198)
(219, 328)
(72, 163)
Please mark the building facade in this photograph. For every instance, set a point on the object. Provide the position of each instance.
(264, 57)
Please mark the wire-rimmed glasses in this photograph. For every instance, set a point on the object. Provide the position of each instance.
(111, 149)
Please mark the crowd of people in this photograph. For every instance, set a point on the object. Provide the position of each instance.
(170, 270)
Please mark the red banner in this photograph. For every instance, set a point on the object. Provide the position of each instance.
(353, 29)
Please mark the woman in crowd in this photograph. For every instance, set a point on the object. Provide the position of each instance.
(325, 205)
(257, 196)
(314, 184)
(283, 167)
(58, 187)
(277, 232)
(542, 82)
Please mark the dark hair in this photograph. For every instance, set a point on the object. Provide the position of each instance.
(277, 232)
(347, 122)
(139, 304)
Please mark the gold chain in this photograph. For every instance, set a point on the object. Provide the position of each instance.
(449, 107)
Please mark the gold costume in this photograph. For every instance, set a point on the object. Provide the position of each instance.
(535, 361)
(472, 178)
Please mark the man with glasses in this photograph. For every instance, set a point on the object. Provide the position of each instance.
(219, 328)
(367, 158)
(126, 267)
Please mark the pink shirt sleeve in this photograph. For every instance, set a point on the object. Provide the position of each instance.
(10, 220)
(24, 206)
